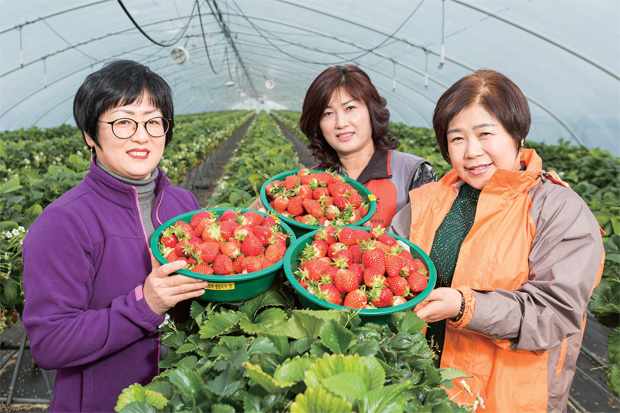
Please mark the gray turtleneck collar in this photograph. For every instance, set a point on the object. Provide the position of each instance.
(146, 195)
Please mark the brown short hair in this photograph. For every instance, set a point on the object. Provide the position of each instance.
(498, 94)
(356, 83)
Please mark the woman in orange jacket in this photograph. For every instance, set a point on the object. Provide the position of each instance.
(517, 252)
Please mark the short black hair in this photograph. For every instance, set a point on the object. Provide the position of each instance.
(119, 83)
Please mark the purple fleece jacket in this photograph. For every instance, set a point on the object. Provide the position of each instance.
(85, 260)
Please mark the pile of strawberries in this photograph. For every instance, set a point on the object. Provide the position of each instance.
(360, 269)
(317, 198)
(232, 244)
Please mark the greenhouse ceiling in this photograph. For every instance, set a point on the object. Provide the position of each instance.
(263, 54)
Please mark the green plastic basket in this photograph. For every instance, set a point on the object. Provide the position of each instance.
(226, 288)
(301, 229)
(379, 315)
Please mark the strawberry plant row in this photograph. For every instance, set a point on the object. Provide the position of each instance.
(266, 356)
(39, 165)
(262, 153)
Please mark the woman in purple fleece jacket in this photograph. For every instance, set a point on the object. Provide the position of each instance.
(94, 294)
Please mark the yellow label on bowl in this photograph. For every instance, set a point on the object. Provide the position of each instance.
(220, 286)
(372, 198)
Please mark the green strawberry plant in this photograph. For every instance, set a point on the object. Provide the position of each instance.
(262, 153)
(264, 355)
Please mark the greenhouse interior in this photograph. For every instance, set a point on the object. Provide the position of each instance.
(246, 80)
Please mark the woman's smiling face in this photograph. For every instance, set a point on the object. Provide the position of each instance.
(346, 124)
(134, 157)
(479, 145)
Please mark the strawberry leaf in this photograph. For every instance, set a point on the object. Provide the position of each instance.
(189, 384)
(336, 337)
(388, 399)
(137, 393)
(268, 298)
(320, 400)
(262, 321)
(266, 381)
(348, 385)
(408, 321)
(293, 370)
(220, 323)
(222, 408)
(449, 374)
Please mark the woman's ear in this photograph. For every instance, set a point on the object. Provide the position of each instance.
(89, 141)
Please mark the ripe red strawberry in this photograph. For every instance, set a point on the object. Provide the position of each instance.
(274, 188)
(228, 215)
(186, 247)
(275, 252)
(377, 230)
(305, 191)
(199, 217)
(335, 247)
(355, 198)
(252, 218)
(328, 234)
(345, 254)
(373, 277)
(356, 253)
(207, 251)
(406, 255)
(168, 239)
(324, 178)
(320, 192)
(419, 266)
(398, 285)
(171, 256)
(387, 240)
(182, 230)
(363, 209)
(393, 265)
(200, 225)
(222, 265)
(336, 189)
(237, 264)
(227, 229)
(252, 246)
(203, 269)
(313, 207)
(262, 233)
(347, 236)
(352, 215)
(303, 171)
(270, 221)
(381, 297)
(330, 271)
(241, 232)
(374, 258)
(346, 281)
(355, 299)
(319, 247)
(398, 300)
(291, 181)
(314, 268)
(295, 206)
(341, 201)
(212, 233)
(280, 203)
(331, 211)
(358, 269)
(277, 236)
(417, 281)
(230, 248)
(329, 293)
(251, 264)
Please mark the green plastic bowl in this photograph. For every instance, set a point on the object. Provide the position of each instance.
(301, 229)
(379, 315)
(226, 288)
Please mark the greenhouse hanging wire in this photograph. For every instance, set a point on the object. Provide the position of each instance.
(173, 41)
(443, 26)
(66, 41)
(204, 40)
(220, 20)
(329, 63)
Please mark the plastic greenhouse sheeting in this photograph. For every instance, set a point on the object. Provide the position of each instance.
(263, 54)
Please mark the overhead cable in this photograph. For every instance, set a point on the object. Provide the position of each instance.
(204, 39)
(170, 43)
(323, 62)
